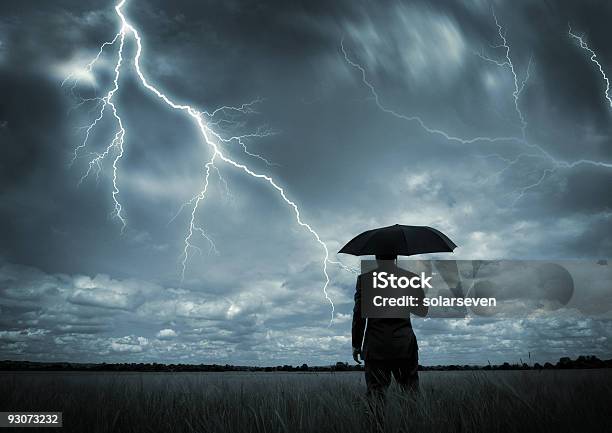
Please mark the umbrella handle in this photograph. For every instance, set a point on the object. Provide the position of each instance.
(365, 328)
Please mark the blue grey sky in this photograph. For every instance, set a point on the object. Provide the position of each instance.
(369, 114)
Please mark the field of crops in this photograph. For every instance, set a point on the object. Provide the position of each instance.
(462, 401)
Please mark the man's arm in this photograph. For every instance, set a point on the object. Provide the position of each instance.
(358, 327)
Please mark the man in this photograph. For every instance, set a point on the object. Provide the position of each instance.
(389, 345)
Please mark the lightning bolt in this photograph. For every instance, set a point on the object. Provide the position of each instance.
(210, 137)
(507, 62)
(593, 58)
(555, 163)
(537, 151)
(411, 118)
(344, 267)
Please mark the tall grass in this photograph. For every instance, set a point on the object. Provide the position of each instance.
(500, 401)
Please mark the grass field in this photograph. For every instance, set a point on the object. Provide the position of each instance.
(462, 401)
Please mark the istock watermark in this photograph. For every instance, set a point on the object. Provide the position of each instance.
(382, 280)
(500, 288)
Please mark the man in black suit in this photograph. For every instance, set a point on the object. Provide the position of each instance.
(389, 345)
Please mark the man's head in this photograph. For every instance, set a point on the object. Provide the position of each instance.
(385, 258)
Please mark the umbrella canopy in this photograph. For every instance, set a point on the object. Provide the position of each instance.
(399, 240)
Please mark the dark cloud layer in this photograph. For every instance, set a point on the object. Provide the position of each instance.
(73, 286)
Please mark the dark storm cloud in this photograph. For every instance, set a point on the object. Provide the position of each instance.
(74, 286)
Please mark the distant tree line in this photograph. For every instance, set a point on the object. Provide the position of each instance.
(582, 362)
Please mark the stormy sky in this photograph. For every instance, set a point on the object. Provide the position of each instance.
(396, 144)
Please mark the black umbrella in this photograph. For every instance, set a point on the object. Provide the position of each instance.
(399, 240)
